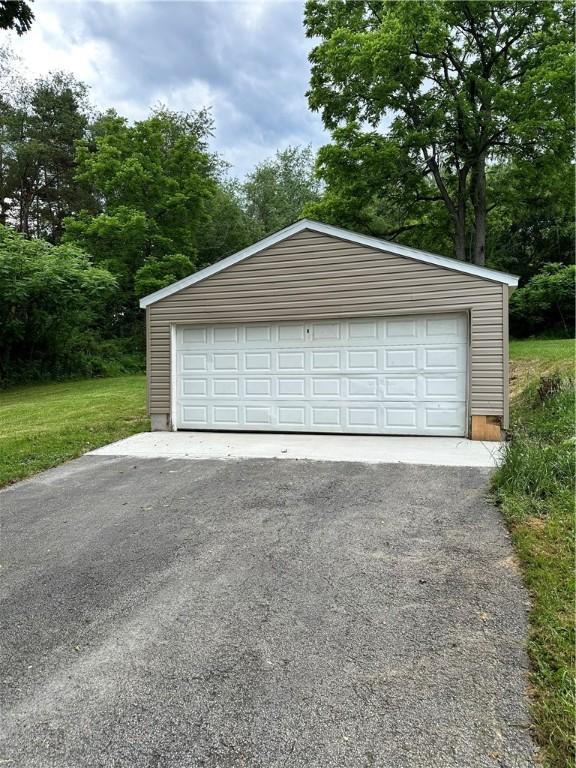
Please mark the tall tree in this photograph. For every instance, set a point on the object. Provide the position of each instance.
(278, 189)
(40, 124)
(153, 181)
(440, 89)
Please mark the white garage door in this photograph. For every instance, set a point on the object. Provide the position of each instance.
(395, 375)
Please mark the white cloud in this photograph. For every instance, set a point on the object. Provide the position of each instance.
(56, 43)
(248, 60)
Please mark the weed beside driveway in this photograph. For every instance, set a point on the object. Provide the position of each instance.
(535, 487)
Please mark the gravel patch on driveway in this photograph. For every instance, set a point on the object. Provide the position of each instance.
(259, 613)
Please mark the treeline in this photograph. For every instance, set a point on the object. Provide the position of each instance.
(96, 211)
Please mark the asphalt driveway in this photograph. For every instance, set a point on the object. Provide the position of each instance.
(259, 613)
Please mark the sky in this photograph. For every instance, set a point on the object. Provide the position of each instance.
(247, 60)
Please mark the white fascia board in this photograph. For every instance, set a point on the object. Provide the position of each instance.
(342, 234)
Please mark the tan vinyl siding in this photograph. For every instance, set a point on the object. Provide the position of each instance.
(311, 276)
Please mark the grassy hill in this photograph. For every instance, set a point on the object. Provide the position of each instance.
(535, 489)
(45, 424)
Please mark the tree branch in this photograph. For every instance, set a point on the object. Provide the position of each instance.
(428, 198)
(433, 165)
(395, 232)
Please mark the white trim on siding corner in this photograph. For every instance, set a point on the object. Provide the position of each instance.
(173, 376)
(342, 234)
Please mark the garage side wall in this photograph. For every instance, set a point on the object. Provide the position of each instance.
(314, 276)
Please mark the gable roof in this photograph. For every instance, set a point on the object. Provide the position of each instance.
(342, 234)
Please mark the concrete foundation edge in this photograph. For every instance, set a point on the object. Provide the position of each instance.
(160, 422)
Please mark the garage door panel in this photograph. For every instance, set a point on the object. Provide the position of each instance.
(375, 376)
(256, 361)
(444, 418)
(364, 330)
(401, 358)
(290, 387)
(326, 331)
(401, 417)
(326, 386)
(435, 330)
(223, 334)
(363, 360)
(325, 360)
(193, 363)
(326, 416)
(225, 387)
(445, 358)
(194, 387)
(363, 417)
(362, 387)
(195, 335)
(443, 326)
(443, 386)
(261, 387)
(291, 332)
(394, 387)
(403, 331)
(195, 414)
(258, 333)
(292, 417)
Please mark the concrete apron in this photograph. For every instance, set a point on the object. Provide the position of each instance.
(373, 449)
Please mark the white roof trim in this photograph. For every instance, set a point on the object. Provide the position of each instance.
(343, 234)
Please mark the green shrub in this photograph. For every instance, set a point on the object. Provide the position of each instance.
(545, 305)
(53, 302)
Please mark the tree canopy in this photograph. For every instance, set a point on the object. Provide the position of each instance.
(450, 130)
(151, 183)
(16, 15)
(52, 300)
(40, 124)
(422, 95)
(277, 190)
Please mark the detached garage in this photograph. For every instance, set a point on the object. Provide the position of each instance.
(317, 329)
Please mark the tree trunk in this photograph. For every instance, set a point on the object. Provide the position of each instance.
(460, 237)
(460, 217)
(479, 203)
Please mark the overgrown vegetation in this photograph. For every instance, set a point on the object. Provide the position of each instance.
(535, 488)
(45, 424)
(53, 300)
(545, 305)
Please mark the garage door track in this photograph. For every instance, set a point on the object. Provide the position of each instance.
(259, 613)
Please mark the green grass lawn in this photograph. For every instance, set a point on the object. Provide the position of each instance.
(554, 350)
(535, 489)
(45, 424)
